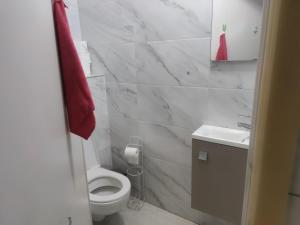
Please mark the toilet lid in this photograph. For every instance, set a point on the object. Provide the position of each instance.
(117, 180)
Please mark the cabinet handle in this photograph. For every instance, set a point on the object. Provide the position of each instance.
(203, 156)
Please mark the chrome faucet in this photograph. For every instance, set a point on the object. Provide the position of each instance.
(244, 125)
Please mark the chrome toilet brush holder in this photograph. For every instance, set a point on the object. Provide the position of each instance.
(135, 174)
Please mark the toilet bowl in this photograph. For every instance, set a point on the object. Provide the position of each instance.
(108, 192)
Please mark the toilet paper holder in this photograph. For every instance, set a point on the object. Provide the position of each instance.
(135, 174)
(136, 142)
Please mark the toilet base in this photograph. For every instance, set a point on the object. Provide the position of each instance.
(98, 218)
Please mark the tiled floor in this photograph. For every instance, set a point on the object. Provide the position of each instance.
(148, 215)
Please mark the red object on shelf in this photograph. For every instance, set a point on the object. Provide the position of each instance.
(78, 98)
(222, 51)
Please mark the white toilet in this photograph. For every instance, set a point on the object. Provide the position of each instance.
(108, 191)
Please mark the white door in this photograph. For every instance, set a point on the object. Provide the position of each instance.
(42, 177)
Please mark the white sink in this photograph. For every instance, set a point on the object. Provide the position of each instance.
(225, 136)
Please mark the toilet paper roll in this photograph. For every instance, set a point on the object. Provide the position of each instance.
(132, 155)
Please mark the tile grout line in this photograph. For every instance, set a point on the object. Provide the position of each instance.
(178, 86)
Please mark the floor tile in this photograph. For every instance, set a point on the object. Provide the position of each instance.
(149, 215)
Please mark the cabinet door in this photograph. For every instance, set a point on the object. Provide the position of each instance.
(218, 177)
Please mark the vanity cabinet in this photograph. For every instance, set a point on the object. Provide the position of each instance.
(218, 179)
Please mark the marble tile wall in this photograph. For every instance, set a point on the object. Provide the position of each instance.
(100, 139)
(161, 85)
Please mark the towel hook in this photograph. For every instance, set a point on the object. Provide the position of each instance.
(224, 27)
(66, 6)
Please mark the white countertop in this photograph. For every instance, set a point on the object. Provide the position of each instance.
(225, 136)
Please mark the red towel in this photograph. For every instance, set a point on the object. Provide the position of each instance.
(78, 99)
(222, 51)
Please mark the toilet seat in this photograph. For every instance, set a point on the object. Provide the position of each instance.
(100, 178)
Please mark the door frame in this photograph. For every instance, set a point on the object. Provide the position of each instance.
(266, 8)
(276, 117)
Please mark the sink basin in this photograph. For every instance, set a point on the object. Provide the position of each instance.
(225, 136)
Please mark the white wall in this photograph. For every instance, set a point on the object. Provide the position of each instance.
(41, 169)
